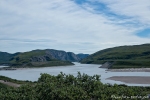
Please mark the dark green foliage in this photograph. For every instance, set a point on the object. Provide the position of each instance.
(3, 86)
(6, 57)
(13, 80)
(129, 56)
(68, 87)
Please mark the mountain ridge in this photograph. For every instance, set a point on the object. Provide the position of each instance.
(36, 58)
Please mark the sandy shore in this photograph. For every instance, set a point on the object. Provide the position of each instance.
(131, 79)
(130, 70)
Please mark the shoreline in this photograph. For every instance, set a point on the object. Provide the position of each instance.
(131, 79)
(24, 68)
(130, 70)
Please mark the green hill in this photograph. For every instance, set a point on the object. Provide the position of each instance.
(36, 58)
(5, 57)
(123, 56)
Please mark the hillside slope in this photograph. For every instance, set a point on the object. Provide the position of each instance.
(37, 58)
(62, 55)
(123, 56)
(5, 57)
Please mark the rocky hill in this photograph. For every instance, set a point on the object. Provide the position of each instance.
(122, 56)
(62, 55)
(37, 58)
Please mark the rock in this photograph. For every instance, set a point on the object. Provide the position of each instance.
(62, 55)
(107, 65)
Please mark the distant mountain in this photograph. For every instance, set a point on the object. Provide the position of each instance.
(5, 57)
(82, 56)
(122, 56)
(36, 58)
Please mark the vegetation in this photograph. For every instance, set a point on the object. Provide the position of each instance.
(4, 57)
(123, 57)
(13, 80)
(68, 87)
(3, 86)
(35, 58)
(40, 64)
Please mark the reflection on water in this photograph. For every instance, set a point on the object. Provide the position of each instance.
(90, 69)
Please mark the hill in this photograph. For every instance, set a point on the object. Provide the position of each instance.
(5, 57)
(37, 58)
(62, 55)
(122, 56)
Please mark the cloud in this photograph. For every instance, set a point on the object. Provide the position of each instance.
(69, 25)
(139, 10)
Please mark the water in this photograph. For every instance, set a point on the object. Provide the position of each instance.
(3, 66)
(90, 69)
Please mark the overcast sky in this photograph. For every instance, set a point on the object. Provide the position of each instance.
(79, 26)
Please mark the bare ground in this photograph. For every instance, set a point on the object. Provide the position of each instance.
(130, 70)
(9, 83)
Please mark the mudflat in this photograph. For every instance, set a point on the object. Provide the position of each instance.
(130, 70)
(132, 79)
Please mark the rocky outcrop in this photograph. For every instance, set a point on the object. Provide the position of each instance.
(58, 54)
(107, 65)
(43, 58)
(62, 55)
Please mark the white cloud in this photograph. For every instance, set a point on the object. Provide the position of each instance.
(139, 10)
(69, 26)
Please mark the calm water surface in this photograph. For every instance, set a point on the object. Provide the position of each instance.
(90, 69)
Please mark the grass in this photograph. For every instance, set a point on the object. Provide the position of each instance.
(25, 57)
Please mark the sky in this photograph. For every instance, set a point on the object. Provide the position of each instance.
(79, 26)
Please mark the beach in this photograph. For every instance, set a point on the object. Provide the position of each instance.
(132, 79)
(130, 70)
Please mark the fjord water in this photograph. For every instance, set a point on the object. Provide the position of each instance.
(33, 74)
